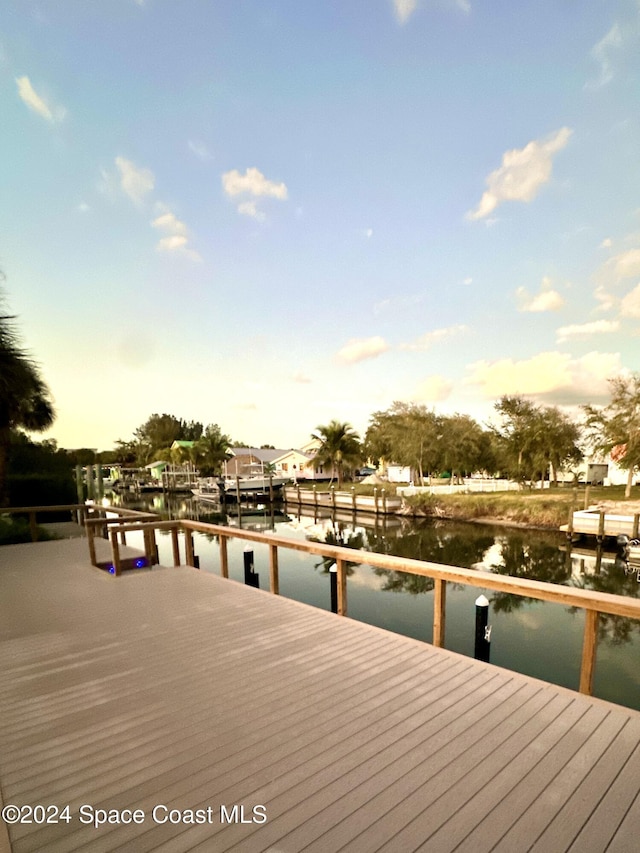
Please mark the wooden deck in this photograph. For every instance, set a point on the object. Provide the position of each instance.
(176, 688)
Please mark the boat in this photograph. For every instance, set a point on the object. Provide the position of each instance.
(629, 548)
(208, 491)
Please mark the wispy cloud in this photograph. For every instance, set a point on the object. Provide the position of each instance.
(361, 349)
(630, 304)
(253, 184)
(134, 181)
(200, 150)
(549, 375)
(404, 9)
(176, 233)
(37, 103)
(547, 299)
(522, 173)
(586, 330)
(603, 53)
(427, 340)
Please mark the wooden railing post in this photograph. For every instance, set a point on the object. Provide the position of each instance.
(115, 553)
(274, 580)
(175, 546)
(188, 547)
(342, 586)
(634, 531)
(439, 612)
(589, 648)
(92, 544)
(224, 557)
(33, 527)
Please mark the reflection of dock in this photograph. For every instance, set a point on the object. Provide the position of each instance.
(601, 524)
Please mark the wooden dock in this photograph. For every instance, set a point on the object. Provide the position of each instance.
(183, 692)
(601, 524)
(379, 503)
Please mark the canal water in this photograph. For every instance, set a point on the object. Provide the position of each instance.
(537, 638)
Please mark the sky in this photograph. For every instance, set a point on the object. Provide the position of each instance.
(268, 214)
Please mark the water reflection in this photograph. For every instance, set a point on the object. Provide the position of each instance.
(534, 637)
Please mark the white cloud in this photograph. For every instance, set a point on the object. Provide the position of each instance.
(607, 243)
(522, 173)
(177, 233)
(627, 264)
(36, 103)
(250, 208)
(404, 9)
(427, 340)
(433, 389)
(301, 378)
(252, 182)
(468, 280)
(547, 299)
(552, 375)
(630, 304)
(585, 330)
(170, 223)
(607, 300)
(135, 182)
(361, 349)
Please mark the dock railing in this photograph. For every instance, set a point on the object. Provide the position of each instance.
(78, 511)
(592, 603)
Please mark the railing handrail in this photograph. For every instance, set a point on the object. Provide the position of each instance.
(593, 603)
(603, 602)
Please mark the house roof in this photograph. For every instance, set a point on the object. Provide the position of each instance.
(177, 443)
(260, 453)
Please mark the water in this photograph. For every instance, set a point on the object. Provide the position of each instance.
(537, 638)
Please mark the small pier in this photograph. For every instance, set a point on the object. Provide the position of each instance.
(230, 719)
(380, 503)
(600, 524)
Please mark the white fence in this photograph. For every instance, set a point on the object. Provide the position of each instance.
(469, 485)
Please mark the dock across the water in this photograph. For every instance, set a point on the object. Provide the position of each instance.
(597, 522)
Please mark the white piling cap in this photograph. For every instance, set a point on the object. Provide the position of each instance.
(482, 601)
(333, 567)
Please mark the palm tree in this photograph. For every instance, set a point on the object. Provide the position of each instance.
(339, 448)
(25, 400)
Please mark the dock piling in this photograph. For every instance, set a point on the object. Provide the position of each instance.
(482, 650)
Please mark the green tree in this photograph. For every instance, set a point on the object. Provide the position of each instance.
(535, 440)
(616, 427)
(339, 448)
(407, 434)
(211, 450)
(156, 434)
(25, 401)
(466, 446)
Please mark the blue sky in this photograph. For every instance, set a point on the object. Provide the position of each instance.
(268, 214)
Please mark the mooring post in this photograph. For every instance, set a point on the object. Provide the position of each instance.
(482, 649)
(333, 586)
(634, 531)
(600, 535)
(251, 578)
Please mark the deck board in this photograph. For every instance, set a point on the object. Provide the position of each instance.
(173, 686)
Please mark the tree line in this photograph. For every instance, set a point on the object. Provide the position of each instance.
(528, 442)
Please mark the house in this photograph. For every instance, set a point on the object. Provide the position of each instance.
(249, 461)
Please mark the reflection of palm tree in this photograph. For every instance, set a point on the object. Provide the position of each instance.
(24, 398)
(339, 448)
(345, 539)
